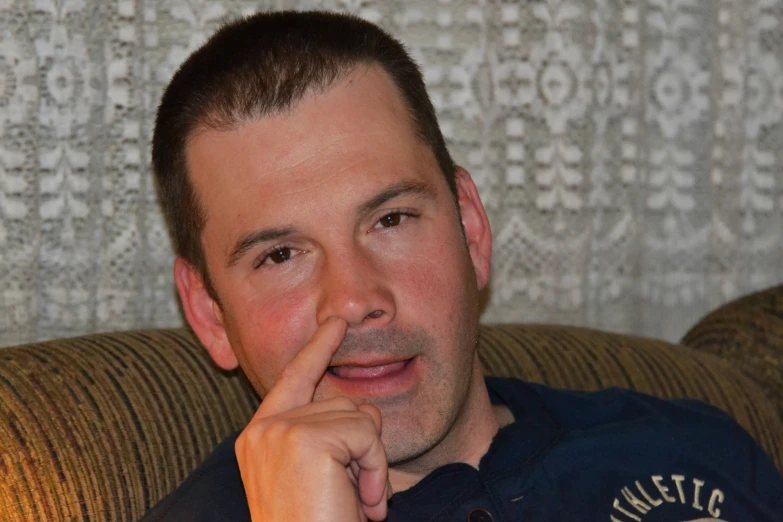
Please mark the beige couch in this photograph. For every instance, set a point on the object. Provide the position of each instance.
(101, 427)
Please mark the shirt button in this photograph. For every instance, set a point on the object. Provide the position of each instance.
(480, 515)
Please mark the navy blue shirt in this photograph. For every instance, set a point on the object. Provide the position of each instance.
(609, 456)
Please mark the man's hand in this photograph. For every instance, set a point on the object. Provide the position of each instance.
(305, 461)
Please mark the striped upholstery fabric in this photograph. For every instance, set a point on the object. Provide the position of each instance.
(747, 333)
(583, 359)
(100, 428)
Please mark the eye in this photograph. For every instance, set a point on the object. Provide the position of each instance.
(276, 256)
(392, 219)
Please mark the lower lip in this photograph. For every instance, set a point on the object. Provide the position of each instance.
(376, 381)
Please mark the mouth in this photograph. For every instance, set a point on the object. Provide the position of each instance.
(373, 378)
(368, 371)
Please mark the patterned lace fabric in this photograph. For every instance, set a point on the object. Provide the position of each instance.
(628, 152)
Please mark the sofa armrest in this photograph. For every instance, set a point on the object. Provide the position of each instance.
(102, 427)
(585, 359)
(748, 334)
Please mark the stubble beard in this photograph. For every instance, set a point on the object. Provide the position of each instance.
(418, 421)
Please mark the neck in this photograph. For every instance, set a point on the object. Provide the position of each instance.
(467, 441)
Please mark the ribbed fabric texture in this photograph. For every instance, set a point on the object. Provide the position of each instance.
(100, 428)
(748, 333)
(583, 359)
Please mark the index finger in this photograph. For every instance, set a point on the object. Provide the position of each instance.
(296, 384)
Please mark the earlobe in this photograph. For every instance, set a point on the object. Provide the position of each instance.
(203, 314)
(475, 223)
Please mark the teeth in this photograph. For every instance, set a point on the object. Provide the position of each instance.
(368, 372)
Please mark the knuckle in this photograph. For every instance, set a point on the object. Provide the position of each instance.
(276, 430)
(251, 435)
(292, 435)
(244, 447)
(255, 429)
(240, 444)
(370, 417)
(367, 421)
(342, 403)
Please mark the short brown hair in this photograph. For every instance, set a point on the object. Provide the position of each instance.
(262, 65)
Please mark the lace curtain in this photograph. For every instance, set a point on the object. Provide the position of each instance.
(628, 152)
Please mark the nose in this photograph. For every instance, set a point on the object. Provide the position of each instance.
(352, 286)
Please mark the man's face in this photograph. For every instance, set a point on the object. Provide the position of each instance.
(336, 208)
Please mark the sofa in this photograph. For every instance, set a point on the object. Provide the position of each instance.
(99, 428)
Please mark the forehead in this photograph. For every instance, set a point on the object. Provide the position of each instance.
(357, 135)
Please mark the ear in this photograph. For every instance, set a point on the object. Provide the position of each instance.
(476, 225)
(203, 314)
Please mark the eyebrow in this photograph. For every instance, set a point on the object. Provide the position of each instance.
(397, 190)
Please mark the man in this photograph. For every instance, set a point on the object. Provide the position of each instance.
(329, 247)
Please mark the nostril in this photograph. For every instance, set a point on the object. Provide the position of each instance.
(375, 314)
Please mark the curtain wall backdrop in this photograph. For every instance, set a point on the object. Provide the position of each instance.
(629, 153)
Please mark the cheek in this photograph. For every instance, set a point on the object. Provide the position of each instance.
(435, 282)
(268, 334)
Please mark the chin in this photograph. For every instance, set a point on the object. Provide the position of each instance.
(402, 447)
(414, 431)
